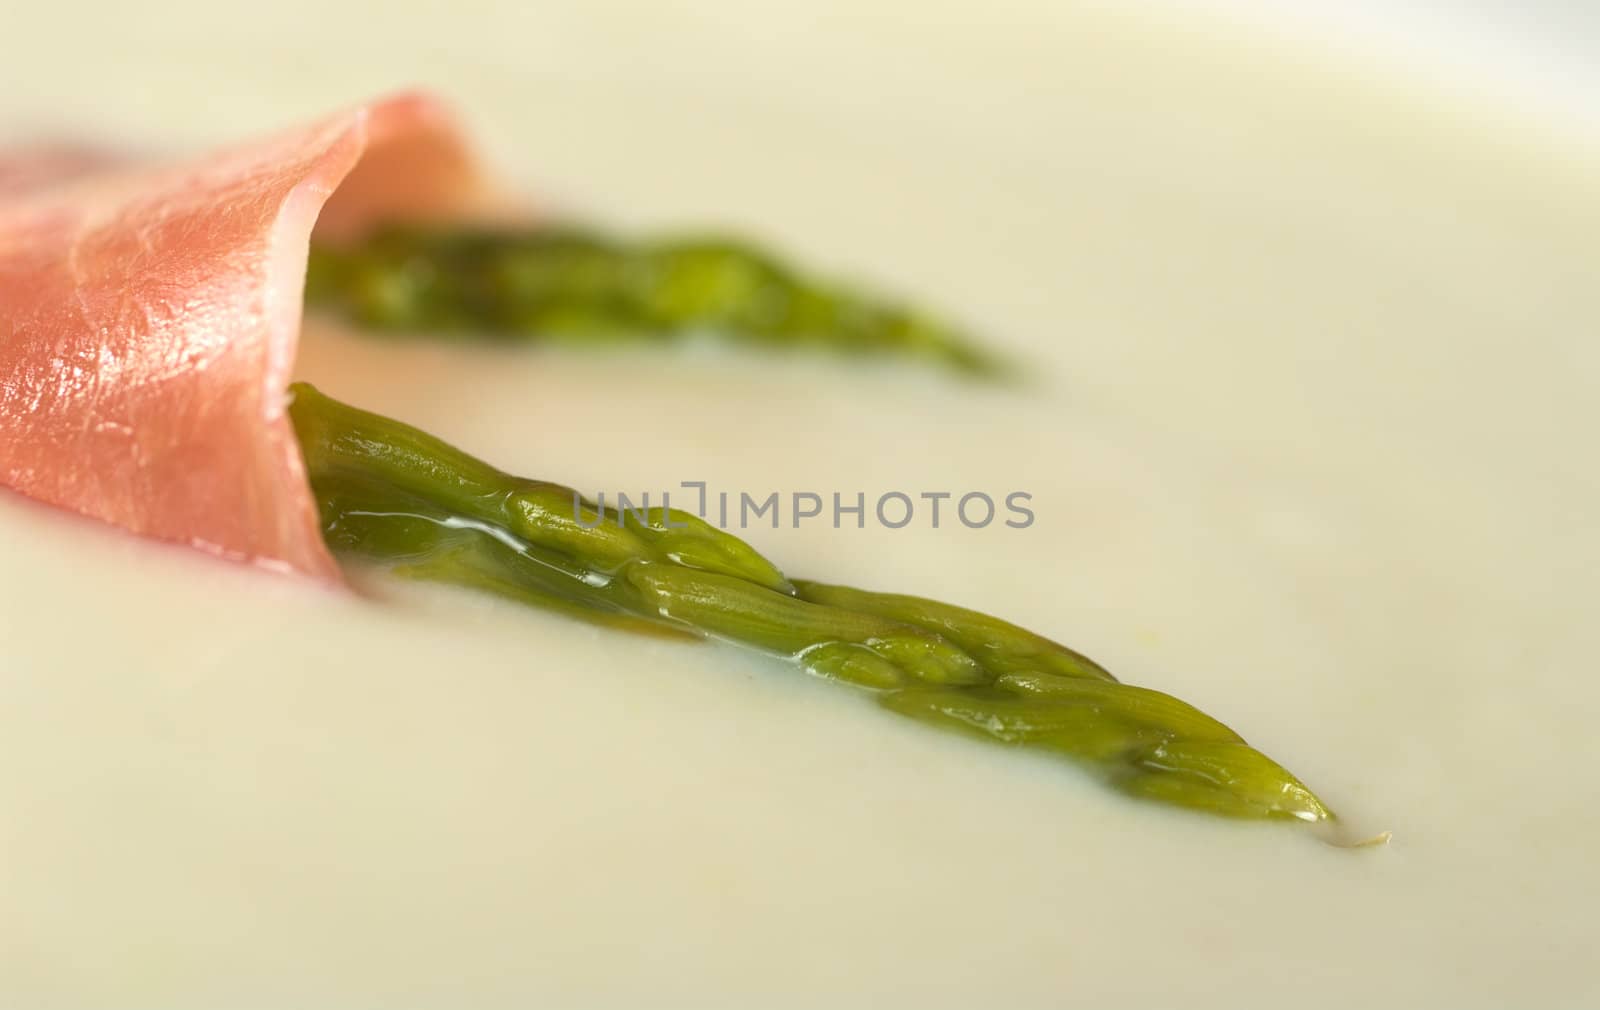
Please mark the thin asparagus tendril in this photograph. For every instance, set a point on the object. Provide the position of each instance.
(574, 285)
(400, 497)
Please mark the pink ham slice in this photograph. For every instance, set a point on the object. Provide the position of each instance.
(149, 317)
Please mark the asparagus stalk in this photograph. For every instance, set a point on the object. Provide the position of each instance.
(398, 496)
(562, 283)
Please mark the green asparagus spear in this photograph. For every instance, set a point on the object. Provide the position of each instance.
(575, 285)
(1001, 647)
(398, 496)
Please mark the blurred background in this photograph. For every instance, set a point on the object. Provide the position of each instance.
(75, 62)
(835, 126)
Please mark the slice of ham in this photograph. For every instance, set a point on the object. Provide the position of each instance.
(149, 317)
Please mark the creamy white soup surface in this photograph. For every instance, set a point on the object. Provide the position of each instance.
(1307, 433)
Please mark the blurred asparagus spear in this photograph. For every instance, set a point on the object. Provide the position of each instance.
(574, 285)
(398, 496)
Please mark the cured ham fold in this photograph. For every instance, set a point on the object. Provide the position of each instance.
(149, 317)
